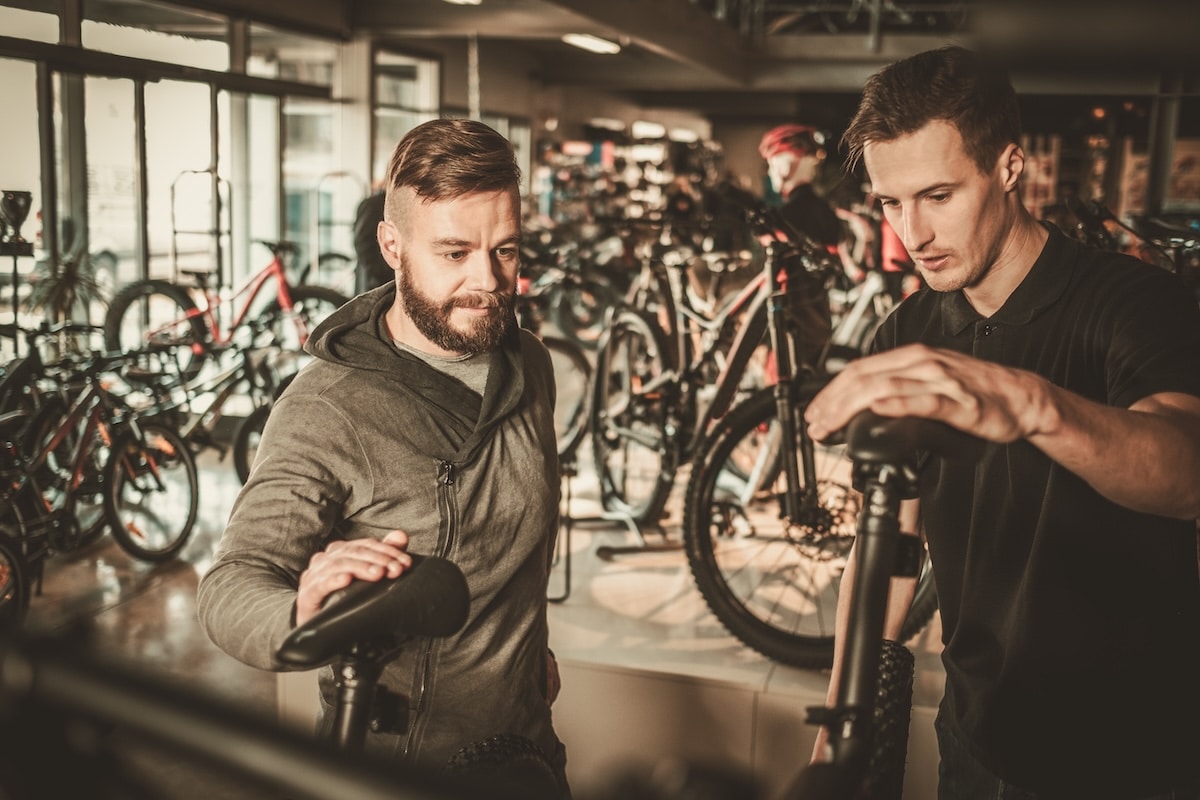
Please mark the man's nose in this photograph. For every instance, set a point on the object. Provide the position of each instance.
(915, 230)
(485, 272)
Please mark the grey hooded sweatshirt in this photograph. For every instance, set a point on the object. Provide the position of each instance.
(369, 438)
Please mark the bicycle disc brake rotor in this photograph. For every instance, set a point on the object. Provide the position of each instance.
(826, 530)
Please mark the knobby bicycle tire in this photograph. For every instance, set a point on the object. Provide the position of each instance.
(893, 712)
(159, 314)
(152, 493)
(774, 583)
(631, 447)
(572, 379)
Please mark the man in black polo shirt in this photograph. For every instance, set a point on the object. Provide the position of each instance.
(1066, 560)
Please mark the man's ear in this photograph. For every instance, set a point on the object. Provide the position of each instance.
(389, 243)
(1012, 166)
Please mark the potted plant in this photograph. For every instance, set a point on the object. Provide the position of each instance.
(65, 286)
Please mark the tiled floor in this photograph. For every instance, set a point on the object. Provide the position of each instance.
(648, 672)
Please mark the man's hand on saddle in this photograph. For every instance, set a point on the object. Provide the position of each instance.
(341, 562)
(988, 400)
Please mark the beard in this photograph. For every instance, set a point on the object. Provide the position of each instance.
(433, 320)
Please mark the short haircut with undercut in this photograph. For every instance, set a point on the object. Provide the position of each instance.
(446, 158)
(953, 84)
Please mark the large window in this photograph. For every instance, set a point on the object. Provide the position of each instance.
(406, 94)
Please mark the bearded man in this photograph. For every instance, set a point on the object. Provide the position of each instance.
(424, 426)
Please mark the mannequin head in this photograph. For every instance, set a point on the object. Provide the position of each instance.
(793, 154)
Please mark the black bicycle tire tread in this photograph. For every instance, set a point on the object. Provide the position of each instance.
(112, 491)
(892, 715)
(651, 509)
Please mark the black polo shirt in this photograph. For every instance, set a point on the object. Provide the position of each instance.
(1070, 624)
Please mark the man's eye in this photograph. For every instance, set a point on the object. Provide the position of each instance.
(940, 197)
(889, 203)
(456, 255)
(508, 253)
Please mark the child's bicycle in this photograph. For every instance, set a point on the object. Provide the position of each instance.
(159, 312)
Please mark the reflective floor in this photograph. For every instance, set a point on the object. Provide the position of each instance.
(629, 626)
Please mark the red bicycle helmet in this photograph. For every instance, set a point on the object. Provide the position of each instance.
(798, 139)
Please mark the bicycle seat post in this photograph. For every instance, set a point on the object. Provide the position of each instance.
(356, 676)
(877, 550)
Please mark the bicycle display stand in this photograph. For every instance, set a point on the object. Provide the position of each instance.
(567, 523)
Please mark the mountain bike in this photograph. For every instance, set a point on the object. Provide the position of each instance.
(769, 515)
(665, 369)
(165, 313)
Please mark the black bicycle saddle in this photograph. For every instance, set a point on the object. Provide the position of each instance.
(871, 438)
(430, 598)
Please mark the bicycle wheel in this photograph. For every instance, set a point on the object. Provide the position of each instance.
(774, 582)
(311, 305)
(160, 314)
(14, 577)
(245, 440)
(152, 493)
(630, 440)
(572, 378)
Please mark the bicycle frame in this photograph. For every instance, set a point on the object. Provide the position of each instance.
(213, 301)
(683, 321)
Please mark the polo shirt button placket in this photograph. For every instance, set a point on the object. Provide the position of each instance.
(986, 341)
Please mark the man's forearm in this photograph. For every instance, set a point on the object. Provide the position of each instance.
(1146, 457)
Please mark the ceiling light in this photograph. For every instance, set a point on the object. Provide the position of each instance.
(593, 44)
(465, 2)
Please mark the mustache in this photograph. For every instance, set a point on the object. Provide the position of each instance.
(481, 300)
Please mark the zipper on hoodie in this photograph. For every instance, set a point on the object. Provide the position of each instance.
(447, 502)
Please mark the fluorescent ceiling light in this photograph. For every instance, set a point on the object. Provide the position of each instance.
(465, 2)
(591, 43)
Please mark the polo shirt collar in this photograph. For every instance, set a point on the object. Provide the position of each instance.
(1041, 288)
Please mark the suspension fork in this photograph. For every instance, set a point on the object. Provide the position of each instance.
(783, 346)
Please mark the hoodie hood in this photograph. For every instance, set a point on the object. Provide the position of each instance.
(356, 336)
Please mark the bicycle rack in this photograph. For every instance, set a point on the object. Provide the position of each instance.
(220, 211)
(342, 200)
(567, 523)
